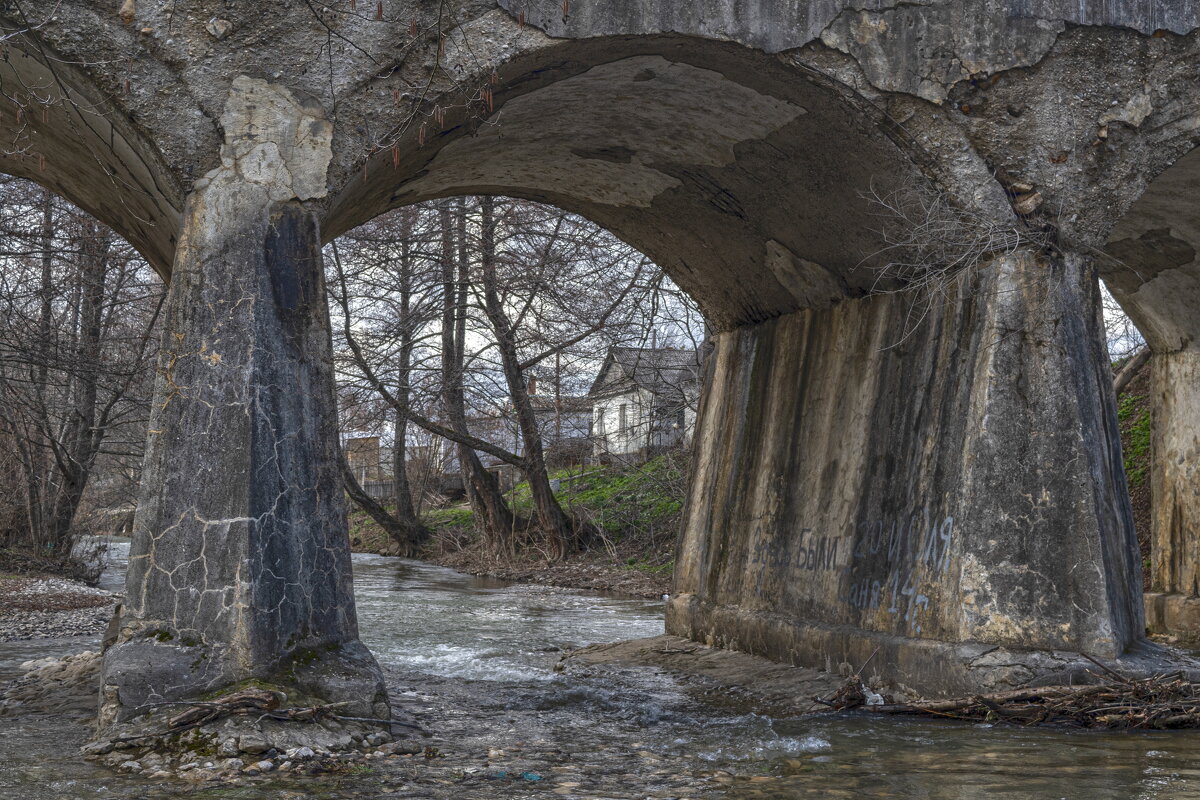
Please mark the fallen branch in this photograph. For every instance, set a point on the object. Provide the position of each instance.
(1131, 368)
(1158, 702)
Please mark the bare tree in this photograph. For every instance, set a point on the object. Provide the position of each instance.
(522, 286)
(80, 310)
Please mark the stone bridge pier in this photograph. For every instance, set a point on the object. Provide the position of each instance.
(943, 500)
(895, 220)
(240, 564)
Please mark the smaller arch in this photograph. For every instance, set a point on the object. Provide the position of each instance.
(1154, 273)
(58, 130)
(1156, 247)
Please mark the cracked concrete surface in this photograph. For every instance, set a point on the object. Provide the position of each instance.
(241, 568)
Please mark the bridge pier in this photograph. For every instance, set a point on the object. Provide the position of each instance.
(1173, 603)
(949, 494)
(240, 564)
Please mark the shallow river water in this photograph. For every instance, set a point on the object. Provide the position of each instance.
(472, 660)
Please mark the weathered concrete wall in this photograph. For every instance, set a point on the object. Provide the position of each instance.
(240, 564)
(1175, 472)
(1173, 597)
(859, 486)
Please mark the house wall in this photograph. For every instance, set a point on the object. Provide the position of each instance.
(640, 432)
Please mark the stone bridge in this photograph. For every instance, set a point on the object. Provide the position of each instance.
(895, 215)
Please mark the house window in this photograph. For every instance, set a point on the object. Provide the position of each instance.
(623, 418)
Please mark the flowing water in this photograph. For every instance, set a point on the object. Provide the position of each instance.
(472, 660)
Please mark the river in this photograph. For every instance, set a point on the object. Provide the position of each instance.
(472, 660)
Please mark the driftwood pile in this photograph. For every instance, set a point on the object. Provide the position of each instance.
(1160, 702)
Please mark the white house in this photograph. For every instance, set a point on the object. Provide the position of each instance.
(644, 401)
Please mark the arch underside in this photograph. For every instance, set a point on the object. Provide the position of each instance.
(57, 130)
(1154, 269)
(748, 181)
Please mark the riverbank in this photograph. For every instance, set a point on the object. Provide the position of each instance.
(632, 510)
(43, 606)
(596, 572)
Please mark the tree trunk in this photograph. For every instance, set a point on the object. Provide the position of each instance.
(75, 453)
(488, 503)
(406, 514)
(408, 535)
(554, 523)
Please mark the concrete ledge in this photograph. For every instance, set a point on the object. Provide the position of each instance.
(1172, 614)
(924, 667)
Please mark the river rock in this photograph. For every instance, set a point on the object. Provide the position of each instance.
(248, 743)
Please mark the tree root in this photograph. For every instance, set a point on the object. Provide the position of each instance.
(261, 703)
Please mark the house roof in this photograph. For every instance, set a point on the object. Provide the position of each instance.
(664, 371)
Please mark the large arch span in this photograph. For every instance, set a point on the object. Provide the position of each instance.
(943, 487)
(747, 179)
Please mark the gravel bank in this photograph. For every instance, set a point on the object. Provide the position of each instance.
(38, 608)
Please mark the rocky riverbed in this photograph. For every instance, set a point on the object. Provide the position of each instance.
(480, 665)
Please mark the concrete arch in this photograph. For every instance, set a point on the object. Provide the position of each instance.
(745, 177)
(948, 493)
(823, 521)
(1154, 274)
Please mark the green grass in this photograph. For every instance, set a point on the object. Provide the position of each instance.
(624, 499)
(1134, 416)
(636, 509)
(457, 517)
(647, 565)
(617, 499)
